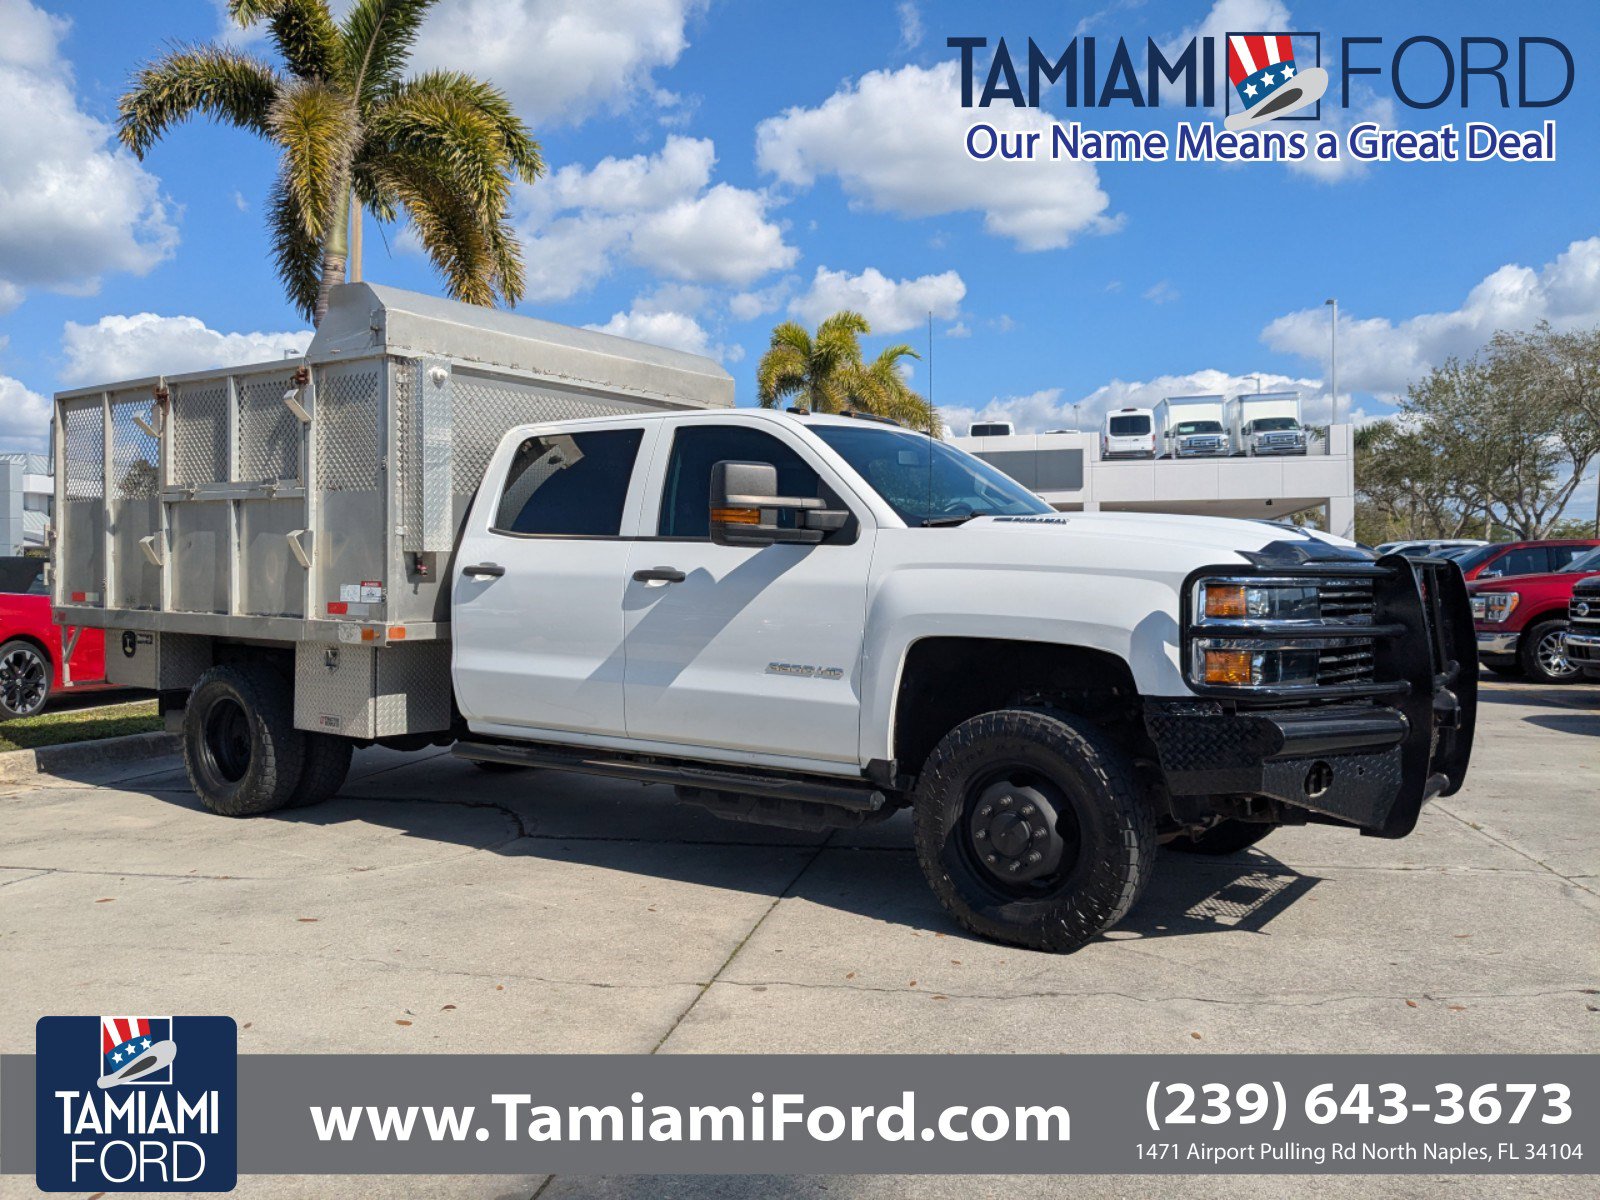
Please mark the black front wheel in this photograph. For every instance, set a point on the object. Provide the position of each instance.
(1032, 829)
(25, 680)
(242, 751)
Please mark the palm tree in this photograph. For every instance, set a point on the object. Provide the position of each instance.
(444, 147)
(826, 373)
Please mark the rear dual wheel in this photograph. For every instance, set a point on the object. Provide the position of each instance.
(1032, 829)
(243, 754)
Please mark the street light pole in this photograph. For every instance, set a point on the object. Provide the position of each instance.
(1333, 363)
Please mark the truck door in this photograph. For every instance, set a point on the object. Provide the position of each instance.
(539, 578)
(752, 649)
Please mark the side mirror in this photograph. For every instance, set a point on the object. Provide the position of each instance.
(745, 506)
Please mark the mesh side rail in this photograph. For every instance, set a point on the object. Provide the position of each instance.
(199, 433)
(135, 509)
(269, 434)
(484, 409)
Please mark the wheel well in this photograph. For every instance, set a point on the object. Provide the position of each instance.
(946, 681)
(38, 645)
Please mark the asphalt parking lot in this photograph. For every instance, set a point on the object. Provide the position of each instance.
(434, 908)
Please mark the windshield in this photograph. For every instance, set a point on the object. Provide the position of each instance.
(954, 485)
(1274, 424)
(1128, 426)
(1185, 427)
(1585, 562)
(994, 430)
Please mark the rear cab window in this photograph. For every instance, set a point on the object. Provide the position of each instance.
(569, 484)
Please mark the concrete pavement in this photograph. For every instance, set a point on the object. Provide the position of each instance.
(432, 907)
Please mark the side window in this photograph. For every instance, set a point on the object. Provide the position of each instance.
(686, 494)
(573, 484)
(1530, 560)
(1560, 556)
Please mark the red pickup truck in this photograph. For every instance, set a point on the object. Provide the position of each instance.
(31, 650)
(1521, 619)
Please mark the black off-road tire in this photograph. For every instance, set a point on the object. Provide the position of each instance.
(327, 764)
(1533, 654)
(1106, 862)
(244, 755)
(26, 677)
(1225, 837)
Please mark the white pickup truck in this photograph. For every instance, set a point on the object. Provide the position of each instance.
(812, 621)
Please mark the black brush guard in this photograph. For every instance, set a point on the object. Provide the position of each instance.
(1368, 753)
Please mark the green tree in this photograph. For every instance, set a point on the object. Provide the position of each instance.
(442, 147)
(1500, 439)
(827, 373)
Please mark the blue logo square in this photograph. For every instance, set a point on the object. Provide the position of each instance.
(137, 1104)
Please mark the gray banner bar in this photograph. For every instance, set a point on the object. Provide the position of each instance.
(1125, 1114)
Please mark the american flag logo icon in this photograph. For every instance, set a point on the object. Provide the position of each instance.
(136, 1050)
(1262, 69)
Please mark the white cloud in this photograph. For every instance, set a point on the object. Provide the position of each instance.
(132, 347)
(72, 206)
(1052, 408)
(747, 306)
(723, 237)
(24, 416)
(681, 169)
(660, 211)
(1162, 292)
(896, 142)
(891, 305)
(647, 322)
(1382, 356)
(560, 60)
(958, 330)
(911, 30)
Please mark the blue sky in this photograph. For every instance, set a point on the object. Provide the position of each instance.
(717, 167)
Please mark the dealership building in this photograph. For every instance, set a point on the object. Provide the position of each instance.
(1067, 470)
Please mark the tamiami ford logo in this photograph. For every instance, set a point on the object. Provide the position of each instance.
(137, 1104)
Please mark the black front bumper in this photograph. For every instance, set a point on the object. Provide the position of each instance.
(1371, 754)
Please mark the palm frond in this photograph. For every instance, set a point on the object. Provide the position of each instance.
(302, 30)
(376, 41)
(297, 254)
(466, 250)
(213, 81)
(316, 125)
(521, 150)
(458, 137)
(781, 372)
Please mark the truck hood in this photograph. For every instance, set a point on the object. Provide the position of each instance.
(1213, 538)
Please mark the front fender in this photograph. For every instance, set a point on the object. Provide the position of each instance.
(1091, 611)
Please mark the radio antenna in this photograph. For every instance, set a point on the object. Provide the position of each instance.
(928, 514)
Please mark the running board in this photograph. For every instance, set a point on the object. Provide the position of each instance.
(861, 797)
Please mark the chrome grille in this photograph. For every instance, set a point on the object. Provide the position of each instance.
(1347, 600)
(1584, 608)
(1349, 663)
(1350, 601)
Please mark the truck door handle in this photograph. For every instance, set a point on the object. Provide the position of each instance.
(659, 575)
(495, 570)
